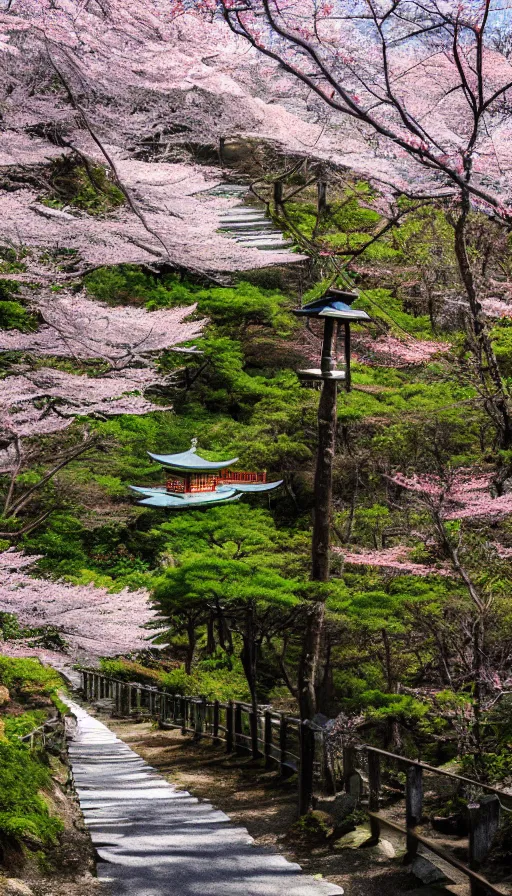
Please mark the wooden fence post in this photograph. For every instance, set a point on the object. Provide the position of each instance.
(238, 728)
(163, 708)
(283, 738)
(84, 684)
(229, 727)
(216, 720)
(267, 738)
(307, 760)
(484, 819)
(374, 792)
(253, 728)
(349, 766)
(200, 712)
(183, 714)
(413, 806)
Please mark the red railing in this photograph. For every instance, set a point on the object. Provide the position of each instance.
(197, 482)
(238, 476)
(175, 485)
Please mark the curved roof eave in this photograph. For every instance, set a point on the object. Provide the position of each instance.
(257, 486)
(190, 462)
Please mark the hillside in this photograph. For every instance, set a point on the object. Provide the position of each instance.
(133, 321)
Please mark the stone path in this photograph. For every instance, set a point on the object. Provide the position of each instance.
(247, 223)
(155, 840)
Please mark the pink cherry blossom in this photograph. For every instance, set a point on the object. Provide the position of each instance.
(463, 495)
(390, 351)
(94, 621)
(395, 558)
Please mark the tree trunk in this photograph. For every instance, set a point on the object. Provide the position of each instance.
(478, 693)
(248, 657)
(210, 634)
(496, 400)
(191, 649)
(394, 739)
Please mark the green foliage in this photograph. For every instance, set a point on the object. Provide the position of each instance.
(218, 678)
(13, 316)
(29, 676)
(213, 684)
(24, 776)
(85, 187)
(23, 810)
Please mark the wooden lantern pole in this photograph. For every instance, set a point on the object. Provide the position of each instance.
(327, 422)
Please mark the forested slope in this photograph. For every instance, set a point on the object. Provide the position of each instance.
(111, 266)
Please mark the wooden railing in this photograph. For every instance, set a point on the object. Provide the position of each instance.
(483, 810)
(293, 746)
(241, 476)
(49, 735)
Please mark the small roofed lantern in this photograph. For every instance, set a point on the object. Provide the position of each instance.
(334, 309)
(192, 481)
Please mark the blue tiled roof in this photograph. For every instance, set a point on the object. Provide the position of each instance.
(191, 462)
(322, 308)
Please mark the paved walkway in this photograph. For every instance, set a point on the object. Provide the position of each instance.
(154, 840)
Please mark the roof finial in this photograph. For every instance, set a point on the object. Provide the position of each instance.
(193, 445)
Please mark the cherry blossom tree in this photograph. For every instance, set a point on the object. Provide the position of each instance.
(462, 495)
(395, 558)
(93, 621)
(427, 85)
(389, 351)
(81, 328)
(44, 401)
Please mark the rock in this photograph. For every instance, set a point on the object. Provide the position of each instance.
(4, 696)
(315, 827)
(355, 839)
(427, 872)
(47, 212)
(338, 807)
(385, 848)
(359, 839)
(10, 886)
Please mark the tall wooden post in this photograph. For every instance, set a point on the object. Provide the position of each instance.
(413, 806)
(307, 760)
(229, 727)
(321, 191)
(484, 820)
(327, 420)
(278, 193)
(267, 738)
(216, 720)
(348, 372)
(283, 746)
(238, 728)
(374, 792)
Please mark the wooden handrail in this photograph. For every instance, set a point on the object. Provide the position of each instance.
(438, 771)
(270, 738)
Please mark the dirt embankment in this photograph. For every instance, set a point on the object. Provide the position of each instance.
(255, 797)
(67, 869)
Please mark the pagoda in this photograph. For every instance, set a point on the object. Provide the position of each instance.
(192, 481)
